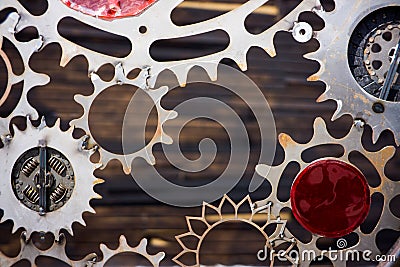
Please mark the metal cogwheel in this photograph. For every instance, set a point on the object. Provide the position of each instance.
(343, 182)
(161, 28)
(29, 78)
(29, 252)
(47, 175)
(163, 116)
(272, 240)
(346, 47)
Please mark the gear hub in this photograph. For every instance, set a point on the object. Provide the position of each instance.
(109, 9)
(330, 198)
(45, 193)
(48, 179)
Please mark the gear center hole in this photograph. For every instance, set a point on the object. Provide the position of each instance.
(123, 107)
(58, 179)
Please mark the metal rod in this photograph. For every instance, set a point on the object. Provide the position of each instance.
(42, 180)
(391, 74)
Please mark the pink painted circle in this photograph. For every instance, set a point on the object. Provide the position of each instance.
(109, 9)
(330, 198)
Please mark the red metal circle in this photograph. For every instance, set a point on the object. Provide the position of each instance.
(109, 9)
(330, 198)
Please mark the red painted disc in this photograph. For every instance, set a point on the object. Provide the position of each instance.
(330, 198)
(109, 9)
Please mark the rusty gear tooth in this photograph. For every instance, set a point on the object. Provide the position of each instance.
(124, 247)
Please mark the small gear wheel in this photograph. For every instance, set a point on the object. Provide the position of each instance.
(124, 247)
(330, 197)
(48, 179)
(163, 115)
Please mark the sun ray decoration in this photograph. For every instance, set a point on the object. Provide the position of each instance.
(277, 238)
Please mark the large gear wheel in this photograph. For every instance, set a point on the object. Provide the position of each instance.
(350, 32)
(29, 78)
(47, 179)
(29, 252)
(276, 239)
(163, 116)
(352, 142)
(157, 21)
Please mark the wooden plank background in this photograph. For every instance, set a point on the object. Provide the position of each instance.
(125, 208)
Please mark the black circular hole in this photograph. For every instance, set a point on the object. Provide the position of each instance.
(378, 108)
(376, 64)
(302, 32)
(142, 29)
(387, 36)
(376, 48)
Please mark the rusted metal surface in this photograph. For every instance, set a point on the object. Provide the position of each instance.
(351, 142)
